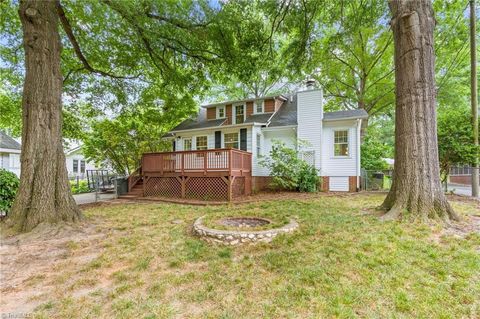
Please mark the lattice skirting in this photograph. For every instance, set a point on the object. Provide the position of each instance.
(206, 188)
(202, 188)
(163, 187)
(238, 187)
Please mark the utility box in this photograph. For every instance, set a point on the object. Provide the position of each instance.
(122, 185)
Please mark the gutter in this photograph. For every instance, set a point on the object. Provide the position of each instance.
(10, 150)
(345, 119)
(359, 129)
(278, 128)
(217, 127)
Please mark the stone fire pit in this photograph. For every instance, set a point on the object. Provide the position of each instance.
(242, 234)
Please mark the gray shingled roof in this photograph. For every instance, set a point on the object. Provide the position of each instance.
(258, 118)
(287, 114)
(8, 142)
(345, 115)
(199, 122)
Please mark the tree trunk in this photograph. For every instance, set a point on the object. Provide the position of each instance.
(44, 194)
(416, 189)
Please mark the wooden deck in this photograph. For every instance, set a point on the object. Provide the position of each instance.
(216, 174)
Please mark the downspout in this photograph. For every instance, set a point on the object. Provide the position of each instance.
(359, 129)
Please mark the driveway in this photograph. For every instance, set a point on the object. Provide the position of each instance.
(465, 190)
(86, 198)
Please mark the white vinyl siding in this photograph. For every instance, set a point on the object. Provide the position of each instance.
(338, 184)
(309, 117)
(339, 165)
(286, 135)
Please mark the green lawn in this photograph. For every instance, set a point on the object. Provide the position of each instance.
(341, 263)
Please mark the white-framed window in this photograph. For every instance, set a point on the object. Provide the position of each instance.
(231, 140)
(82, 166)
(187, 144)
(75, 165)
(239, 114)
(340, 143)
(221, 112)
(202, 143)
(14, 160)
(259, 106)
(259, 144)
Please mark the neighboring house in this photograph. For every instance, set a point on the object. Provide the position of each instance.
(201, 159)
(77, 165)
(461, 174)
(9, 154)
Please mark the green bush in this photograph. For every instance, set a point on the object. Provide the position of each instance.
(82, 187)
(288, 170)
(9, 183)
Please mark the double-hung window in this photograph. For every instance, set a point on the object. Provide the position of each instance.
(201, 143)
(340, 145)
(221, 112)
(259, 106)
(82, 166)
(231, 140)
(187, 144)
(239, 114)
(75, 166)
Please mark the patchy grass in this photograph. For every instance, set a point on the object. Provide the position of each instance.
(342, 262)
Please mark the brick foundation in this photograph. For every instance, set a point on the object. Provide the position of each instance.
(260, 183)
(352, 184)
(461, 179)
(325, 184)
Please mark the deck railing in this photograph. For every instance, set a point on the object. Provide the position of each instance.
(134, 178)
(227, 161)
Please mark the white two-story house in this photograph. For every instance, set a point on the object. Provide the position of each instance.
(332, 138)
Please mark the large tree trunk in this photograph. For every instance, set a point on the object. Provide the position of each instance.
(44, 194)
(416, 189)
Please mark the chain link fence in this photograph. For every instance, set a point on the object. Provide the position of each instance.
(376, 180)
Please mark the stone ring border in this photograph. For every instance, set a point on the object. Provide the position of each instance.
(235, 237)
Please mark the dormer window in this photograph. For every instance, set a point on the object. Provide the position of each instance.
(221, 112)
(239, 114)
(259, 106)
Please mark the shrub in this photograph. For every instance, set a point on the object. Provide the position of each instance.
(288, 170)
(9, 183)
(82, 187)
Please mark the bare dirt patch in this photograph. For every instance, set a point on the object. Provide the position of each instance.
(29, 261)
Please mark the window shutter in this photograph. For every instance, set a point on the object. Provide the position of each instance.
(218, 139)
(243, 139)
(173, 146)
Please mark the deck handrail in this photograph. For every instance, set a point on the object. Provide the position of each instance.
(218, 159)
(199, 151)
(134, 177)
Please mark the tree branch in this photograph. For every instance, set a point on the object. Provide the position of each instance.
(78, 52)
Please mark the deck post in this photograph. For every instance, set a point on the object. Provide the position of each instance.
(230, 187)
(183, 183)
(241, 169)
(205, 163)
(183, 162)
(161, 164)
